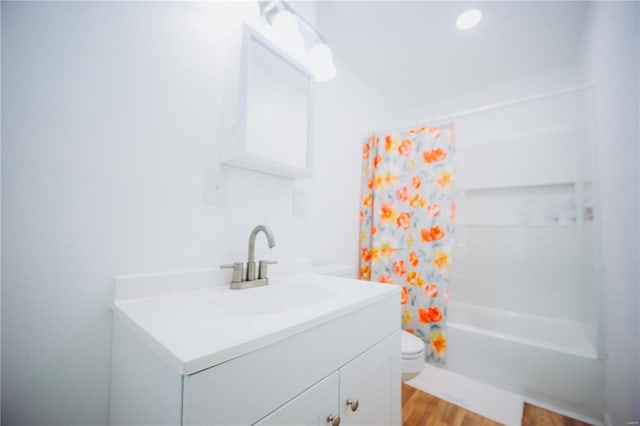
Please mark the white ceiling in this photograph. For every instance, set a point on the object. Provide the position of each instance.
(413, 49)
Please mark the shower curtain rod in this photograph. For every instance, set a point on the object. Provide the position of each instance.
(494, 106)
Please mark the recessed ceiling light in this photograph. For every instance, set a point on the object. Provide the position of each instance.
(468, 19)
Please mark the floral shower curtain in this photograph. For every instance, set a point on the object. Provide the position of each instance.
(407, 225)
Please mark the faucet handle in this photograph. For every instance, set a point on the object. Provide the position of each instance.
(262, 268)
(238, 271)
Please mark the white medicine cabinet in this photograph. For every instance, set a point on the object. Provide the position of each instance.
(269, 109)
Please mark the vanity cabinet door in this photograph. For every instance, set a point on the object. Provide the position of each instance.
(311, 407)
(372, 379)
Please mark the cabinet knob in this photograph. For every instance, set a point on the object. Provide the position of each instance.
(353, 403)
(334, 419)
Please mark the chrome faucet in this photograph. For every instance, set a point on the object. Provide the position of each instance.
(251, 263)
(239, 281)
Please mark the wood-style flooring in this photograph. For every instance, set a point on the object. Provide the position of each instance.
(422, 409)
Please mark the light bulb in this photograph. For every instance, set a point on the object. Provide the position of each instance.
(327, 73)
(295, 46)
(284, 24)
(286, 34)
(319, 54)
(468, 19)
(321, 62)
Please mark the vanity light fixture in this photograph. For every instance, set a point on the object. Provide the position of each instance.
(293, 34)
(468, 19)
(321, 62)
(284, 27)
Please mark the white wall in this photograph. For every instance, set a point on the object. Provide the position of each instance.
(111, 114)
(549, 80)
(612, 64)
(347, 111)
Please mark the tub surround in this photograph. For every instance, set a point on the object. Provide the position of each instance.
(189, 347)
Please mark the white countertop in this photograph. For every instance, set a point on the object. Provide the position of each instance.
(194, 327)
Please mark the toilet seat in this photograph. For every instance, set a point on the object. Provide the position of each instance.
(411, 346)
(418, 355)
(412, 349)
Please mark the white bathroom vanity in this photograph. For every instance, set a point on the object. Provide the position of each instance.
(306, 349)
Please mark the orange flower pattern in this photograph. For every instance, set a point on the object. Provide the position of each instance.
(407, 182)
(413, 259)
(433, 210)
(404, 220)
(389, 143)
(365, 254)
(431, 290)
(377, 160)
(386, 212)
(405, 147)
(416, 182)
(399, 267)
(386, 279)
(365, 272)
(414, 279)
(433, 156)
(432, 314)
(434, 234)
(417, 201)
(439, 343)
(402, 194)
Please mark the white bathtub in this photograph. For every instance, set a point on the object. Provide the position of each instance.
(549, 361)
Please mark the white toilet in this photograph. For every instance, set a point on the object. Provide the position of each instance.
(412, 347)
(412, 355)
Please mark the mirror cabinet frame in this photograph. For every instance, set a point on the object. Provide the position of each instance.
(235, 152)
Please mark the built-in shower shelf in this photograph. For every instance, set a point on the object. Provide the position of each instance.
(528, 189)
(548, 205)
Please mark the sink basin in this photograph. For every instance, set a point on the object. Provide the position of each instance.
(270, 300)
